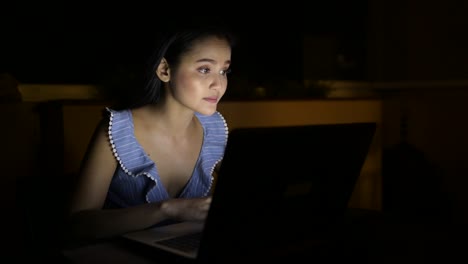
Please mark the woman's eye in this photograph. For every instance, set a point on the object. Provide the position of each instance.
(204, 70)
(207, 71)
(225, 72)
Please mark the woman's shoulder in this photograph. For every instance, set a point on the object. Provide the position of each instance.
(118, 123)
(111, 115)
(108, 111)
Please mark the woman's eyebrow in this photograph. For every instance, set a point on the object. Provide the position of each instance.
(212, 61)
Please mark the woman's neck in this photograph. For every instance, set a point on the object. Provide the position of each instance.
(170, 120)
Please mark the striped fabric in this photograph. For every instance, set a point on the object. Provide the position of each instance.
(136, 180)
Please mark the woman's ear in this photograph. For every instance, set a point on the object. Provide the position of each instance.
(163, 71)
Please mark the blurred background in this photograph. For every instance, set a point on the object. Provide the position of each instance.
(278, 45)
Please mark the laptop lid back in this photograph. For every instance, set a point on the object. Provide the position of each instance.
(278, 185)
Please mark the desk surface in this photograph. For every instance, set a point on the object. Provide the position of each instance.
(367, 238)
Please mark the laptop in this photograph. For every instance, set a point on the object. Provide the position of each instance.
(277, 186)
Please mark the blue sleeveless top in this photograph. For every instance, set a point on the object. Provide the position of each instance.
(136, 180)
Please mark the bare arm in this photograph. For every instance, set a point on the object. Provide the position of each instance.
(88, 221)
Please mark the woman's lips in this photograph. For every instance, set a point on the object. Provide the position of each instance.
(211, 99)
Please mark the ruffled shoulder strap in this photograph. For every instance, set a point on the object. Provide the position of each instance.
(214, 125)
(125, 147)
(215, 140)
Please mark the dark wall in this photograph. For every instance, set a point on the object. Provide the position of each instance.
(82, 44)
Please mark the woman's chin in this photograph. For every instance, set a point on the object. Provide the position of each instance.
(207, 112)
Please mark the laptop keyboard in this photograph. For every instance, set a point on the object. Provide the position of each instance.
(187, 242)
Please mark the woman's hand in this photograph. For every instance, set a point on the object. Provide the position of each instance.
(183, 209)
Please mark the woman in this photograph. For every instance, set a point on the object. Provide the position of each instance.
(153, 159)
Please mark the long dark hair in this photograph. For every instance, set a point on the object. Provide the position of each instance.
(172, 46)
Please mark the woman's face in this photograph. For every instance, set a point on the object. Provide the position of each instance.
(200, 80)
